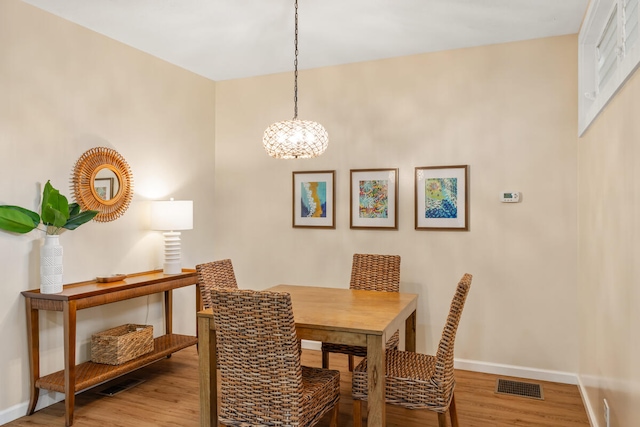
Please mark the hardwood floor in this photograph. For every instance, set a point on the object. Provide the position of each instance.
(169, 397)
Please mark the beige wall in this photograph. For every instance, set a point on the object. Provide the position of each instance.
(609, 259)
(63, 90)
(509, 111)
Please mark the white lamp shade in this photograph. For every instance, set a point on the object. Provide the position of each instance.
(172, 215)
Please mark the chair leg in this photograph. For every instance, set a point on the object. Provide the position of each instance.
(325, 359)
(357, 413)
(452, 411)
(351, 363)
(334, 415)
(442, 419)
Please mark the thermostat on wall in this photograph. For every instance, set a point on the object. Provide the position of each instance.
(510, 197)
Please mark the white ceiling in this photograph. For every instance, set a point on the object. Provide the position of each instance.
(228, 39)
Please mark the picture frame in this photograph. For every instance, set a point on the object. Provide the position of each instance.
(373, 198)
(104, 188)
(314, 199)
(442, 198)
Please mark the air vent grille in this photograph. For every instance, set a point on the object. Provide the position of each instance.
(121, 386)
(519, 388)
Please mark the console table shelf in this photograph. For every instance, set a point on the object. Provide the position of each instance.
(77, 296)
(89, 374)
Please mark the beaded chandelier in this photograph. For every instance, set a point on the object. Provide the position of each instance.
(295, 139)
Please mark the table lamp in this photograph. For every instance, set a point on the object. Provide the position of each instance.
(170, 216)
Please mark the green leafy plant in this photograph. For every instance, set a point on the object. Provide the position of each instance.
(56, 214)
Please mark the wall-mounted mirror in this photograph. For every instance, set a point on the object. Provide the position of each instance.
(102, 181)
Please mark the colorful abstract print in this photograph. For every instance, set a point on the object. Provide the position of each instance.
(374, 199)
(441, 197)
(313, 199)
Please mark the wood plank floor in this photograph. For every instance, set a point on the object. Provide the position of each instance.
(169, 397)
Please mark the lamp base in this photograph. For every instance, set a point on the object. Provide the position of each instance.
(172, 262)
(172, 268)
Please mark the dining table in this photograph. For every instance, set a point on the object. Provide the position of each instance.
(335, 315)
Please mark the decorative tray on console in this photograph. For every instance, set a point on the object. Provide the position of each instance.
(110, 278)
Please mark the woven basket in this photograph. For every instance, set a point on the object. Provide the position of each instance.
(121, 344)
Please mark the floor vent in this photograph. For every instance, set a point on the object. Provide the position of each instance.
(519, 388)
(121, 386)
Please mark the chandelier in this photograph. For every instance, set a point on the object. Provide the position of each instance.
(295, 139)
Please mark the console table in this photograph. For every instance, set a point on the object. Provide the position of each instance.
(77, 296)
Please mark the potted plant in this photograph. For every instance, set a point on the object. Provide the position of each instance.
(56, 214)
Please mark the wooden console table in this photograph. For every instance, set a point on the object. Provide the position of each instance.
(77, 296)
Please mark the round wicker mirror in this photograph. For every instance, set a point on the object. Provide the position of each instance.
(102, 181)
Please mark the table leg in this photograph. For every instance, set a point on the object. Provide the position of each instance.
(69, 314)
(168, 311)
(207, 360)
(376, 410)
(199, 303)
(199, 307)
(410, 333)
(33, 338)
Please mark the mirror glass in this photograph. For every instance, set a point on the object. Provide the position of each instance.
(102, 181)
(106, 184)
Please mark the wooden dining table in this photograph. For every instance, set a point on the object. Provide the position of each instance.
(341, 316)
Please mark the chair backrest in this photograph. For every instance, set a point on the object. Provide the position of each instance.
(444, 358)
(260, 370)
(375, 272)
(215, 274)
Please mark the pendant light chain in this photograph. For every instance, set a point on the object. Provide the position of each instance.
(295, 65)
(295, 139)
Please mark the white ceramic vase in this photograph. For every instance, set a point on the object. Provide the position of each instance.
(51, 265)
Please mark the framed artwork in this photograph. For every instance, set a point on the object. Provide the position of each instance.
(104, 188)
(442, 198)
(314, 199)
(374, 199)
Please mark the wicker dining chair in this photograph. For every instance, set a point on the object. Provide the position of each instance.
(419, 381)
(215, 274)
(261, 377)
(370, 273)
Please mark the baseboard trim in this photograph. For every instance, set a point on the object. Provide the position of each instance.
(46, 398)
(495, 368)
(517, 371)
(593, 420)
(311, 345)
(13, 413)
